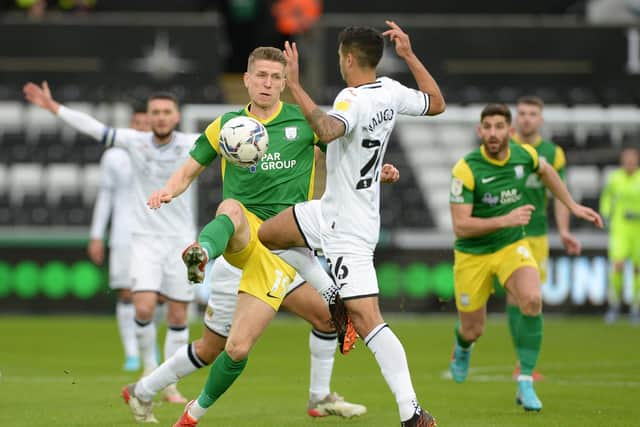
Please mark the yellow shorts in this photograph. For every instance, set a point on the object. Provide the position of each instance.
(473, 274)
(540, 249)
(264, 275)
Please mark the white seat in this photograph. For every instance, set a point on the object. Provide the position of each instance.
(24, 178)
(61, 178)
(3, 178)
(38, 121)
(583, 181)
(91, 176)
(11, 116)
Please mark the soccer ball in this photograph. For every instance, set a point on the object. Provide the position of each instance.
(243, 141)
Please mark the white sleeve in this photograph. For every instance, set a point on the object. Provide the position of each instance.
(345, 108)
(104, 201)
(410, 102)
(84, 123)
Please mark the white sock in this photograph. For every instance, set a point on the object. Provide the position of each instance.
(197, 411)
(177, 336)
(391, 358)
(125, 313)
(322, 347)
(305, 263)
(146, 336)
(183, 362)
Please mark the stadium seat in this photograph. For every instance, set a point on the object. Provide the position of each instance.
(24, 179)
(61, 178)
(39, 121)
(583, 181)
(4, 177)
(11, 116)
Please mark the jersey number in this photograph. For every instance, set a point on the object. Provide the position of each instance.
(372, 163)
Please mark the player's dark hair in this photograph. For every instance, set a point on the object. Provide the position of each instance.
(364, 43)
(164, 95)
(531, 100)
(267, 53)
(139, 108)
(496, 110)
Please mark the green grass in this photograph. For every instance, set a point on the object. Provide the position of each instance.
(65, 371)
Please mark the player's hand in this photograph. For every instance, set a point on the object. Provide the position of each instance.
(588, 214)
(399, 38)
(571, 245)
(158, 198)
(40, 96)
(389, 174)
(95, 250)
(519, 216)
(292, 71)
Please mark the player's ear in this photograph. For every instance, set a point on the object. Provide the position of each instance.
(245, 79)
(479, 132)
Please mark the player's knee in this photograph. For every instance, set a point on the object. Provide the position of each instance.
(144, 311)
(237, 350)
(233, 209)
(531, 305)
(322, 323)
(472, 332)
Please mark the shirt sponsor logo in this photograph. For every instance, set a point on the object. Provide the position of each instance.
(290, 133)
(272, 161)
(490, 199)
(509, 196)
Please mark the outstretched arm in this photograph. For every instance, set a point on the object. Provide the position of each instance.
(426, 83)
(177, 183)
(41, 96)
(326, 127)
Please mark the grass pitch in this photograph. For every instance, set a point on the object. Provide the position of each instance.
(65, 371)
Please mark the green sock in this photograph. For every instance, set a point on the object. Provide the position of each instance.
(513, 317)
(222, 374)
(529, 342)
(215, 236)
(460, 339)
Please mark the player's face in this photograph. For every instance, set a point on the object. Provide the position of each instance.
(265, 82)
(629, 160)
(140, 121)
(494, 132)
(163, 117)
(528, 119)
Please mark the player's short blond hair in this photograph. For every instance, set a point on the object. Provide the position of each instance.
(268, 54)
(531, 100)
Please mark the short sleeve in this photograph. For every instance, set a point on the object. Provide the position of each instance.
(411, 102)
(345, 108)
(535, 159)
(207, 146)
(462, 183)
(560, 163)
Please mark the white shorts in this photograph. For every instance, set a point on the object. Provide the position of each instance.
(119, 259)
(156, 266)
(308, 217)
(224, 280)
(354, 274)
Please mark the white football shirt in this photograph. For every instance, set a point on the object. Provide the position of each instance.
(114, 198)
(152, 165)
(351, 202)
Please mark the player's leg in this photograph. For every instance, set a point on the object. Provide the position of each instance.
(251, 318)
(356, 276)
(635, 300)
(520, 274)
(306, 303)
(619, 251)
(473, 277)
(119, 258)
(292, 234)
(125, 316)
(539, 246)
(228, 231)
